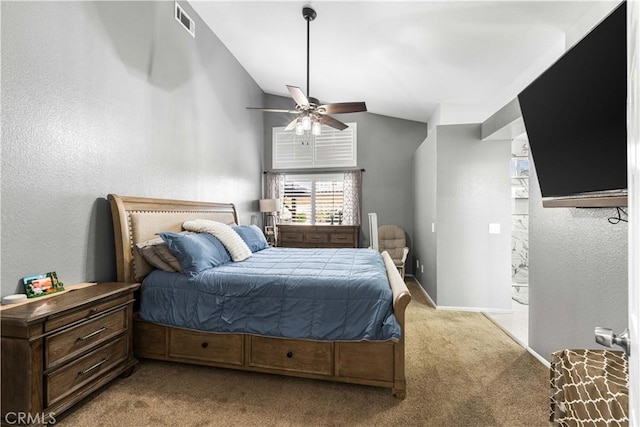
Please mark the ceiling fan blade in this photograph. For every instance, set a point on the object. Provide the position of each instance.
(330, 121)
(344, 107)
(291, 125)
(298, 96)
(273, 110)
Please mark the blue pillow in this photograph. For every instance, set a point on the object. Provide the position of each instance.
(196, 251)
(252, 236)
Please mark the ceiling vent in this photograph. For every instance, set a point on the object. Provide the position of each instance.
(185, 20)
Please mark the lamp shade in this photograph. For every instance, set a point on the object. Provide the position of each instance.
(269, 205)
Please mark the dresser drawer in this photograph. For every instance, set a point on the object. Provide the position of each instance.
(84, 313)
(71, 342)
(316, 237)
(291, 237)
(75, 375)
(203, 346)
(343, 239)
(303, 356)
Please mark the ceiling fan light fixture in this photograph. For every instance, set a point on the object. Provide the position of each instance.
(311, 113)
(306, 123)
(316, 128)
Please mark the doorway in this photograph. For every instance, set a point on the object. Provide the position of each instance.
(516, 323)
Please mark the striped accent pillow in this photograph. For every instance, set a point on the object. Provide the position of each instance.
(237, 248)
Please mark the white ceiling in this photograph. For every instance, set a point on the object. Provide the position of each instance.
(402, 58)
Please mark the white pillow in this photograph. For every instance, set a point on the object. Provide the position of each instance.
(231, 240)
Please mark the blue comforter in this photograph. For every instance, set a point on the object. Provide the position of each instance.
(319, 294)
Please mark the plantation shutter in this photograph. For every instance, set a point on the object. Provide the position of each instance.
(298, 199)
(333, 148)
(329, 200)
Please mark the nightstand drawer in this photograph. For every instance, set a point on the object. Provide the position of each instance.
(65, 381)
(303, 356)
(84, 313)
(73, 341)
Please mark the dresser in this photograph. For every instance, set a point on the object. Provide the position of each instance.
(57, 351)
(318, 236)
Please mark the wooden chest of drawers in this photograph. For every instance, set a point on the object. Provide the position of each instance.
(318, 236)
(58, 350)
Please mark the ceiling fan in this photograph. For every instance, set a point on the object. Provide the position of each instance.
(311, 115)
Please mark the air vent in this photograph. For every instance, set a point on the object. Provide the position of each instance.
(185, 20)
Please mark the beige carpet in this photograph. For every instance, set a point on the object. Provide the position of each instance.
(462, 370)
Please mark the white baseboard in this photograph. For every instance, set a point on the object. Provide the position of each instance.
(520, 343)
(531, 351)
(476, 309)
(542, 360)
(450, 308)
(424, 292)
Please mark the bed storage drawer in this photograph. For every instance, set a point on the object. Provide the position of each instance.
(312, 357)
(366, 360)
(74, 341)
(205, 346)
(77, 374)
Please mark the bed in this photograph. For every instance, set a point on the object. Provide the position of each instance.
(367, 359)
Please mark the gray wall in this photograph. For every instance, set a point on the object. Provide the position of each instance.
(425, 162)
(472, 190)
(113, 97)
(577, 274)
(385, 149)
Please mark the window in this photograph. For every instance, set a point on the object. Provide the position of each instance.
(314, 199)
(317, 198)
(333, 148)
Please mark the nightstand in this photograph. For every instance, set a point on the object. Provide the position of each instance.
(57, 351)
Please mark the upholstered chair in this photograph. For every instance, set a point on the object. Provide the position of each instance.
(392, 238)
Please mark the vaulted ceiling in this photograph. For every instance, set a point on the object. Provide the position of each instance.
(404, 58)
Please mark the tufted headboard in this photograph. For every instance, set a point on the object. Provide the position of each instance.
(138, 219)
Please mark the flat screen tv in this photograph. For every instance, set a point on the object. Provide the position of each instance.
(575, 115)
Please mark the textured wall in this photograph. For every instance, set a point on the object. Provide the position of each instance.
(473, 190)
(577, 274)
(385, 149)
(462, 184)
(426, 202)
(102, 97)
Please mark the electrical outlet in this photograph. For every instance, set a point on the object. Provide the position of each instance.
(422, 268)
(433, 227)
(418, 264)
(494, 228)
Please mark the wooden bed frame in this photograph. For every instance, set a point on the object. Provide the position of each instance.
(137, 219)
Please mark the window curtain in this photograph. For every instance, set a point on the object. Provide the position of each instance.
(274, 185)
(352, 197)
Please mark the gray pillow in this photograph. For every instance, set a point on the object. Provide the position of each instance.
(157, 254)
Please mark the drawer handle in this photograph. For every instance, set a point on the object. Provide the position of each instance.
(93, 334)
(289, 355)
(205, 344)
(94, 310)
(91, 368)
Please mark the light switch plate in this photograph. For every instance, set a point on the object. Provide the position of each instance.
(494, 228)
